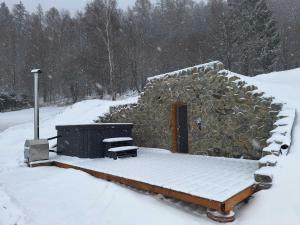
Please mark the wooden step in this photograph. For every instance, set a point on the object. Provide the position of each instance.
(123, 148)
(117, 139)
(122, 152)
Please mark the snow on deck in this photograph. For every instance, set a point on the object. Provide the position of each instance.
(206, 177)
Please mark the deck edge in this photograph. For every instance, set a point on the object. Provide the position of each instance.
(212, 204)
(243, 195)
(225, 206)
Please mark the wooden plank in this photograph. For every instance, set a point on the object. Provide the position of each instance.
(147, 187)
(38, 164)
(229, 204)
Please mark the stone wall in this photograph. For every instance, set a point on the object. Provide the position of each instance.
(234, 121)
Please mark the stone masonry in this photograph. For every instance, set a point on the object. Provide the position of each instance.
(235, 121)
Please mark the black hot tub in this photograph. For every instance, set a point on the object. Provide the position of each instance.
(85, 141)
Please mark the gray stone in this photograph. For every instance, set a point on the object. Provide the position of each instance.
(263, 178)
(264, 186)
(269, 160)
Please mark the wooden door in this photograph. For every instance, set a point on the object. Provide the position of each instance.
(179, 126)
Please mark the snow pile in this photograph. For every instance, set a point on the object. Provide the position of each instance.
(215, 65)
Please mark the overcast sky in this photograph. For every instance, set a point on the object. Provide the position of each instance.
(71, 5)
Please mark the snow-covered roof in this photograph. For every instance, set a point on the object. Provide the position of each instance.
(200, 67)
(36, 71)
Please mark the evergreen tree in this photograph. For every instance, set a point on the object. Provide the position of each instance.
(6, 27)
(266, 26)
(19, 43)
(142, 23)
(257, 39)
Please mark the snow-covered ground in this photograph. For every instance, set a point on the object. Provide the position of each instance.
(10, 119)
(66, 197)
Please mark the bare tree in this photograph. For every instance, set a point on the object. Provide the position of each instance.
(105, 14)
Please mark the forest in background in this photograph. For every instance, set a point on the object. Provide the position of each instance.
(105, 50)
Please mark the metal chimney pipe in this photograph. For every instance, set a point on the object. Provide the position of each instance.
(36, 73)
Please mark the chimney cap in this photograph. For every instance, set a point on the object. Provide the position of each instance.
(36, 71)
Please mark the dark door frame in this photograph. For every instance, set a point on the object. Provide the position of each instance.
(179, 127)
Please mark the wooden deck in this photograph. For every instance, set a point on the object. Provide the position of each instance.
(224, 205)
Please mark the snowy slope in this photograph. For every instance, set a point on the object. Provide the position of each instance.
(66, 197)
(17, 126)
(281, 204)
(9, 119)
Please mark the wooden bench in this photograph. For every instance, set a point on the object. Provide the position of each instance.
(122, 152)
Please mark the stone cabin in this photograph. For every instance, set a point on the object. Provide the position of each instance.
(225, 117)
